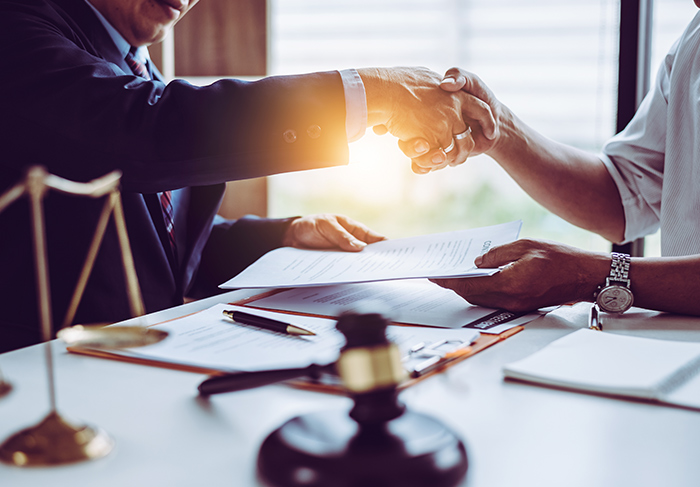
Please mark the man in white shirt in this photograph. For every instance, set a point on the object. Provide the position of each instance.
(647, 177)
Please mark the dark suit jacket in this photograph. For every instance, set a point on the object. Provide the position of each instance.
(70, 103)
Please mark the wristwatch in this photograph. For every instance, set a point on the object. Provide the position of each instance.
(616, 296)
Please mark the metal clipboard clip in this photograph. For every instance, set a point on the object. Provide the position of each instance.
(426, 357)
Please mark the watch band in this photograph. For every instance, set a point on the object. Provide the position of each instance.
(620, 267)
(616, 296)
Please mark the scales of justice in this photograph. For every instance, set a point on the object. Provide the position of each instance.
(54, 440)
(378, 439)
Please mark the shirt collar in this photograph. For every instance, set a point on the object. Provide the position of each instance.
(141, 53)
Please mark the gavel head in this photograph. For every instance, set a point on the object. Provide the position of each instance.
(370, 367)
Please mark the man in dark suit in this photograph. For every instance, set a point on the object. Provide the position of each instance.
(77, 99)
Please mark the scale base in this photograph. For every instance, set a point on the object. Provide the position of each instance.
(331, 449)
(54, 441)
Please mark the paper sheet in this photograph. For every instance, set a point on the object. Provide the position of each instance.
(208, 339)
(448, 254)
(413, 301)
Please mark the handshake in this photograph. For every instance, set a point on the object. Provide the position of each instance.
(439, 121)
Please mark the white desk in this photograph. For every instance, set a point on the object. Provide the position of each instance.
(516, 434)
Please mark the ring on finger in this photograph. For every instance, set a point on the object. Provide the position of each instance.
(450, 147)
(463, 135)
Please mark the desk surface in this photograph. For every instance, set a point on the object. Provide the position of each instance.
(516, 434)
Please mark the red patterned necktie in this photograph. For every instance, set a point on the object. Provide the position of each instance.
(166, 204)
(138, 68)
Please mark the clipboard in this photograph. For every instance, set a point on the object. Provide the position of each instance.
(327, 385)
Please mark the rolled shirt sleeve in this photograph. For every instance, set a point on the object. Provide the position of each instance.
(655, 161)
(635, 160)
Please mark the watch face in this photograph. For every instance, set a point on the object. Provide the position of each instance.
(615, 299)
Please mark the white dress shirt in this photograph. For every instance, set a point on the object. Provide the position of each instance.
(655, 160)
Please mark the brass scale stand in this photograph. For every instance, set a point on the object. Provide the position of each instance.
(55, 441)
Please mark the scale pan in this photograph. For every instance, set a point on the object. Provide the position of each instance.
(96, 336)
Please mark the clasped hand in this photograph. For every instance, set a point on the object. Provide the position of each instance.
(439, 121)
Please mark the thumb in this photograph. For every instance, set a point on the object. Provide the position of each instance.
(497, 257)
(453, 80)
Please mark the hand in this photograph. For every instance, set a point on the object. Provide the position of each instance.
(409, 103)
(479, 111)
(326, 231)
(534, 274)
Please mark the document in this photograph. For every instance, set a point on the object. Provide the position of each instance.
(448, 254)
(209, 340)
(587, 360)
(411, 301)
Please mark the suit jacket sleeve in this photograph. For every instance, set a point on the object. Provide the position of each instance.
(69, 102)
(94, 116)
(232, 246)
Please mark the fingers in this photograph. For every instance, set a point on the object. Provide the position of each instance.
(418, 147)
(426, 120)
(327, 231)
(533, 274)
(482, 127)
(483, 103)
(503, 255)
(336, 235)
(476, 110)
(457, 79)
(465, 142)
(475, 290)
(380, 129)
(417, 169)
(359, 230)
(435, 159)
(414, 147)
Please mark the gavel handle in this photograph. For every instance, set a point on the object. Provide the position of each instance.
(239, 381)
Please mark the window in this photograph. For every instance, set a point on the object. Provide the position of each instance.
(552, 61)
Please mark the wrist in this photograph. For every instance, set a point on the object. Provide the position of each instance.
(594, 271)
(289, 239)
(509, 132)
(378, 94)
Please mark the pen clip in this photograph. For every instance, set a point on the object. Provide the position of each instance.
(594, 319)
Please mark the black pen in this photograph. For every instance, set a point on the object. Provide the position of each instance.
(239, 381)
(266, 323)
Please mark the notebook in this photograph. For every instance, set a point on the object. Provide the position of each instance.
(599, 362)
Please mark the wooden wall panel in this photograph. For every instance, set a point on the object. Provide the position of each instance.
(155, 52)
(226, 38)
(222, 38)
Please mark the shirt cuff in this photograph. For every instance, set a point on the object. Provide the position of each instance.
(355, 104)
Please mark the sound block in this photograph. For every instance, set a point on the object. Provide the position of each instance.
(329, 449)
